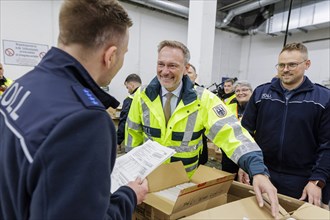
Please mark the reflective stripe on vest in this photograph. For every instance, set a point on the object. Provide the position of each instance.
(247, 145)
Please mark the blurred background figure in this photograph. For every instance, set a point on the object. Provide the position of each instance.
(203, 156)
(228, 93)
(132, 83)
(243, 91)
(4, 82)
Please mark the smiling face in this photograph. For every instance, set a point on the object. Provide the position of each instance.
(243, 94)
(170, 67)
(291, 79)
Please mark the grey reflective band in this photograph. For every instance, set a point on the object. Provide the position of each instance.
(127, 149)
(184, 149)
(190, 127)
(132, 125)
(199, 91)
(216, 127)
(244, 149)
(145, 113)
(146, 116)
(193, 167)
(247, 144)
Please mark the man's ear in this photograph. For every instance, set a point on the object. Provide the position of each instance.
(308, 64)
(187, 68)
(110, 56)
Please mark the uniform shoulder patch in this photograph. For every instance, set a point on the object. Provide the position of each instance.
(87, 97)
(220, 111)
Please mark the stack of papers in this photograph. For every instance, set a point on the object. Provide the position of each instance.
(172, 193)
(139, 162)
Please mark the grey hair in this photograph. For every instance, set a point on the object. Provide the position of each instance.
(243, 83)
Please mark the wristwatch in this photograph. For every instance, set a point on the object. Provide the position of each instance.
(318, 183)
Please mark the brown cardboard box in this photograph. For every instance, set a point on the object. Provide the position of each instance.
(210, 191)
(242, 204)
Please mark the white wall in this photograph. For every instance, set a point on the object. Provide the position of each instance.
(260, 54)
(149, 28)
(26, 21)
(251, 58)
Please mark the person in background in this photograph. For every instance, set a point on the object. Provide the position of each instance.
(132, 83)
(203, 156)
(4, 82)
(56, 159)
(243, 91)
(290, 120)
(228, 91)
(174, 113)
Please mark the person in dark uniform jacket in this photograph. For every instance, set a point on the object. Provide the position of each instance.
(58, 143)
(290, 120)
(132, 83)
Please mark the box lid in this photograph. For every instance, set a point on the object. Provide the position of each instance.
(247, 208)
(166, 176)
(210, 184)
(309, 211)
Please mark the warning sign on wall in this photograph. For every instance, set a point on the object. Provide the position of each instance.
(22, 53)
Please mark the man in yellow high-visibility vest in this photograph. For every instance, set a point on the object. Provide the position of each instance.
(194, 111)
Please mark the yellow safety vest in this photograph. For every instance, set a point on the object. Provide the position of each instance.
(229, 99)
(7, 84)
(198, 111)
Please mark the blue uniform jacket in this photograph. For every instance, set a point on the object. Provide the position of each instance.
(58, 146)
(293, 134)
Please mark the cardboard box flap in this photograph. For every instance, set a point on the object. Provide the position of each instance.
(247, 208)
(204, 174)
(160, 203)
(161, 178)
(203, 191)
(309, 211)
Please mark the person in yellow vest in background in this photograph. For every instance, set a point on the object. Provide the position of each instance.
(4, 82)
(229, 93)
(132, 83)
(174, 113)
(243, 91)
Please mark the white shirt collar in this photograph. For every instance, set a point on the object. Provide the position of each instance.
(176, 92)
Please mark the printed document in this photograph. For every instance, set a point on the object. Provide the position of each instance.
(139, 162)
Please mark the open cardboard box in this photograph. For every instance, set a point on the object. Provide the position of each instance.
(242, 204)
(210, 191)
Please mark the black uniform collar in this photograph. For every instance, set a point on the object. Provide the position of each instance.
(80, 74)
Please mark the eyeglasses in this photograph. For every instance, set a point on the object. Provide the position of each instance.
(291, 66)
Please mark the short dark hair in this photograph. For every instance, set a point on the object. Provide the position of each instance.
(92, 23)
(133, 78)
(192, 66)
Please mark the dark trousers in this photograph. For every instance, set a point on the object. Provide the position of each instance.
(204, 156)
(293, 186)
(228, 165)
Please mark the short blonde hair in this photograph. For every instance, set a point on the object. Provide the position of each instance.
(175, 44)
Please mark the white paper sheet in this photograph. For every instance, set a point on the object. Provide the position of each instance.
(139, 162)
